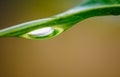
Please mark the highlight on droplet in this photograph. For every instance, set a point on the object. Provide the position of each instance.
(42, 32)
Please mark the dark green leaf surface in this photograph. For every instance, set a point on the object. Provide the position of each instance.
(52, 26)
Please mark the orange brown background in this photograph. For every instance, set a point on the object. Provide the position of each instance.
(89, 49)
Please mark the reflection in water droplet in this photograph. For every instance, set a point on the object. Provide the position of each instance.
(42, 32)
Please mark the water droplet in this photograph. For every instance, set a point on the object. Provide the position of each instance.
(42, 32)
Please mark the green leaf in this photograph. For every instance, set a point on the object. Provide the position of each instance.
(55, 25)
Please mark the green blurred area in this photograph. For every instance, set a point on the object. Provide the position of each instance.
(90, 49)
(18, 11)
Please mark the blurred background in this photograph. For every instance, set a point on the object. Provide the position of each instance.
(89, 49)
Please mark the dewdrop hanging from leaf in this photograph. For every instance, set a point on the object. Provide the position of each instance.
(55, 25)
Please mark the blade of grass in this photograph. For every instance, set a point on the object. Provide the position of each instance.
(61, 22)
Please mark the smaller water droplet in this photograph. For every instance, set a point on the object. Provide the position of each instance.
(42, 32)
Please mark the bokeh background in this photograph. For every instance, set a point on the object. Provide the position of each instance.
(89, 49)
